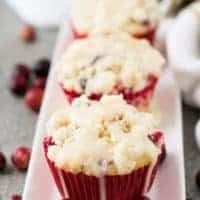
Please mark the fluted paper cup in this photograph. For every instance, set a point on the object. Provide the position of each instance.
(141, 99)
(118, 187)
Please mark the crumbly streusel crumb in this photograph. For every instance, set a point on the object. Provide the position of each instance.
(89, 132)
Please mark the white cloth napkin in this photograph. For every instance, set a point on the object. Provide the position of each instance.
(183, 48)
(42, 13)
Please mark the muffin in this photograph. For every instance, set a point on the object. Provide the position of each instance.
(139, 18)
(103, 150)
(111, 64)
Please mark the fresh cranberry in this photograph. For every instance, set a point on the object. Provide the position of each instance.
(27, 33)
(198, 179)
(41, 68)
(95, 97)
(16, 197)
(2, 161)
(33, 98)
(21, 69)
(48, 141)
(19, 85)
(39, 83)
(20, 158)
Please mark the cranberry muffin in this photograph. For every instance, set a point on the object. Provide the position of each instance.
(103, 149)
(139, 18)
(111, 64)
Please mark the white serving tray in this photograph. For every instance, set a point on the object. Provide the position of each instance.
(170, 182)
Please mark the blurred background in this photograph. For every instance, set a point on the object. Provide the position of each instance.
(17, 122)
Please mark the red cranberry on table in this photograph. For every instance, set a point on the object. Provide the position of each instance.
(20, 79)
(41, 68)
(20, 158)
(19, 85)
(2, 161)
(33, 98)
(22, 69)
(16, 197)
(27, 33)
(39, 83)
(198, 179)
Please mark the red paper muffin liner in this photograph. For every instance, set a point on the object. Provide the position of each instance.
(140, 99)
(148, 35)
(120, 187)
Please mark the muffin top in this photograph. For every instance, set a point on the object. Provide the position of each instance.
(98, 64)
(108, 136)
(105, 16)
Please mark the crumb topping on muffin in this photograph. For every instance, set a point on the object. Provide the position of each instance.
(101, 63)
(89, 134)
(105, 16)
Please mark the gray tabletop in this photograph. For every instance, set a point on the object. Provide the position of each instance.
(17, 123)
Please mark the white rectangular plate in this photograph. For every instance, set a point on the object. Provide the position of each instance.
(170, 182)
